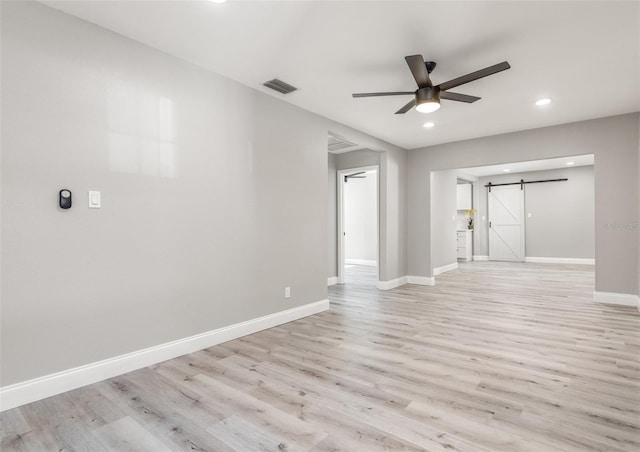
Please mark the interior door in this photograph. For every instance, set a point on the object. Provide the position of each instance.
(506, 223)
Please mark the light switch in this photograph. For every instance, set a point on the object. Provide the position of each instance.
(94, 200)
(529, 215)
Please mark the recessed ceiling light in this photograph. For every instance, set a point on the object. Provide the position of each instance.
(571, 163)
(506, 170)
(543, 102)
(428, 125)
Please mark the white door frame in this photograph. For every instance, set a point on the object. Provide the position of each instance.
(341, 252)
(522, 250)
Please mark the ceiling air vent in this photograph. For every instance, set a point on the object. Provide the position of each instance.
(280, 86)
(338, 143)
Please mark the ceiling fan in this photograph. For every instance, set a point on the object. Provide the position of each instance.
(427, 96)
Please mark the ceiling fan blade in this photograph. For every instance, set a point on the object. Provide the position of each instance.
(459, 97)
(407, 107)
(419, 70)
(391, 93)
(474, 76)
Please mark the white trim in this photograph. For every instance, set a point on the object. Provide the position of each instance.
(368, 263)
(421, 280)
(392, 284)
(560, 260)
(445, 268)
(49, 385)
(621, 299)
(480, 258)
(332, 280)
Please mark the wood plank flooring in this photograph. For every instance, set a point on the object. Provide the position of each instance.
(361, 275)
(496, 356)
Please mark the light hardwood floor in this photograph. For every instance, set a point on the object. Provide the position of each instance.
(363, 275)
(496, 356)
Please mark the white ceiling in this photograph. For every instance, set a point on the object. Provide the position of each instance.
(584, 55)
(525, 167)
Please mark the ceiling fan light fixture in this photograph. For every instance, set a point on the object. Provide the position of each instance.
(427, 100)
(428, 107)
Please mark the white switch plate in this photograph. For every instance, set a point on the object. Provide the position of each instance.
(94, 199)
(287, 292)
(529, 215)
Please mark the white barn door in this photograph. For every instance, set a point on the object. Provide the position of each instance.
(506, 223)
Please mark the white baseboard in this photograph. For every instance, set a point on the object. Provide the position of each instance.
(621, 299)
(332, 281)
(560, 260)
(445, 268)
(545, 260)
(49, 385)
(368, 263)
(421, 280)
(392, 284)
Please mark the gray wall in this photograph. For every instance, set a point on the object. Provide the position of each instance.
(443, 218)
(357, 159)
(333, 217)
(393, 215)
(613, 140)
(562, 213)
(210, 196)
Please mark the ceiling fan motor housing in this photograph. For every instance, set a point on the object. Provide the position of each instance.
(431, 94)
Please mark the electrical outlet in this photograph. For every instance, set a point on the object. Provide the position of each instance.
(287, 292)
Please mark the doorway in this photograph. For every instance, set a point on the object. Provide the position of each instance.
(539, 211)
(358, 225)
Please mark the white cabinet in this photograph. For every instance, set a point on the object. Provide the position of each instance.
(464, 197)
(465, 244)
